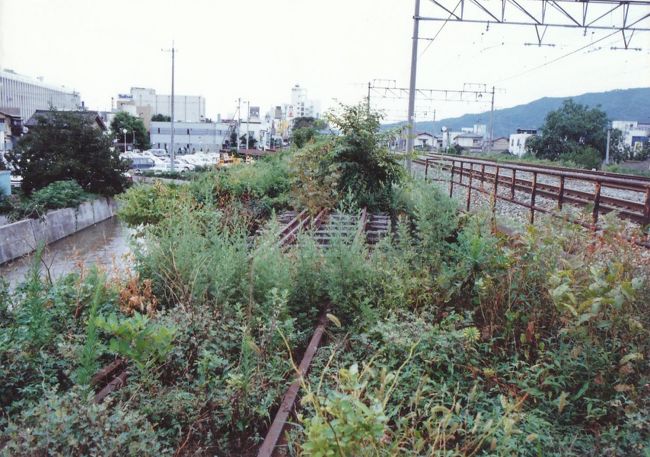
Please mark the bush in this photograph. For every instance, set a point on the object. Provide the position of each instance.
(584, 157)
(59, 194)
(71, 424)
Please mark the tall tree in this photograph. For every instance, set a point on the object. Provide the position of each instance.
(67, 145)
(136, 133)
(571, 130)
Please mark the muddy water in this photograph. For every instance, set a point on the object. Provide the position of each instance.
(105, 244)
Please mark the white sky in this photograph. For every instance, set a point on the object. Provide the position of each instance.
(258, 49)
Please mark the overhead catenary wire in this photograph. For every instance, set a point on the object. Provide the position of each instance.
(575, 51)
(431, 40)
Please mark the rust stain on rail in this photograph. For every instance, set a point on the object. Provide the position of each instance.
(279, 422)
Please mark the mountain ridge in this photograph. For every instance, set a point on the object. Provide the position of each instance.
(619, 104)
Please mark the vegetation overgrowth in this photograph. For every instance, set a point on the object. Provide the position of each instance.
(447, 339)
(59, 194)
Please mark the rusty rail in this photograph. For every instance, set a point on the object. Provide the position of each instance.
(627, 209)
(113, 376)
(280, 420)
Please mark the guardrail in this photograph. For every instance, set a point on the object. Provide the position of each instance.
(474, 174)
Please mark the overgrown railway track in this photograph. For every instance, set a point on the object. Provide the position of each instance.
(324, 226)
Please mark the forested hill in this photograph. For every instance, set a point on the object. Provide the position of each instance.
(626, 104)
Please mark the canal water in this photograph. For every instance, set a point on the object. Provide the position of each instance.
(105, 244)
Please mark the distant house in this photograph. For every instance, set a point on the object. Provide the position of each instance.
(517, 144)
(635, 134)
(93, 116)
(424, 141)
(500, 144)
(470, 141)
(10, 128)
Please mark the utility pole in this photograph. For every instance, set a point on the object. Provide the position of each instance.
(491, 143)
(238, 121)
(248, 123)
(609, 133)
(173, 152)
(414, 63)
(433, 132)
(369, 86)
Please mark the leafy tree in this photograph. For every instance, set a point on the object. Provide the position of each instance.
(124, 120)
(161, 118)
(251, 141)
(355, 163)
(305, 129)
(65, 146)
(570, 130)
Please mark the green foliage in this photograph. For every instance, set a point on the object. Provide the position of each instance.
(355, 163)
(161, 118)
(305, 130)
(137, 338)
(68, 146)
(447, 339)
(573, 129)
(71, 424)
(59, 194)
(136, 133)
(149, 204)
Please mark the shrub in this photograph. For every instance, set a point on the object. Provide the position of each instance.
(59, 194)
(71, 424)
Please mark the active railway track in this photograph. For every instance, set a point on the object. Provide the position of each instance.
(548, 188)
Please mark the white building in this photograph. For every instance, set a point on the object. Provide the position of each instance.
(190, 136)
(301, 106)
(29, 95)
(635, 133)
(517, 144)
(144, 102)
(424, 141)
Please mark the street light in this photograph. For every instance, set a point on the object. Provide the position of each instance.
(124, 132)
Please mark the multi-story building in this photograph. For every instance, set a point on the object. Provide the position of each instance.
(517, 144)
(144, 103)
(300, 105)
(635, 134)
(190, 136)
(29, 95)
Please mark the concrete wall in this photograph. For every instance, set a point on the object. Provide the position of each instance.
(20, 238)
(5, 181)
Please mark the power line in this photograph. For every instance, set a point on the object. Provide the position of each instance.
(575, 51)
(431, 40)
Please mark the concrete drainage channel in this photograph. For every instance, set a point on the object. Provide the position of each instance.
(23, 237)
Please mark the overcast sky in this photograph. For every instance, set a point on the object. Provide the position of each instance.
(258, 49)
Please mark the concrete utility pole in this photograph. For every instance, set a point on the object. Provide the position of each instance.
(173, 152)
(491, 143)
(238, 121)
(248, 123)
(609, 134)
(414, 64)
(369, 86)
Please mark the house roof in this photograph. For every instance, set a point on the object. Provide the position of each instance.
(469, 135)
(425, 133)
(92, 116)
(10, 111)
(501, 138)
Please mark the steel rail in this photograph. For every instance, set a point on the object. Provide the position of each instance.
(113, 376)
(635, 211)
